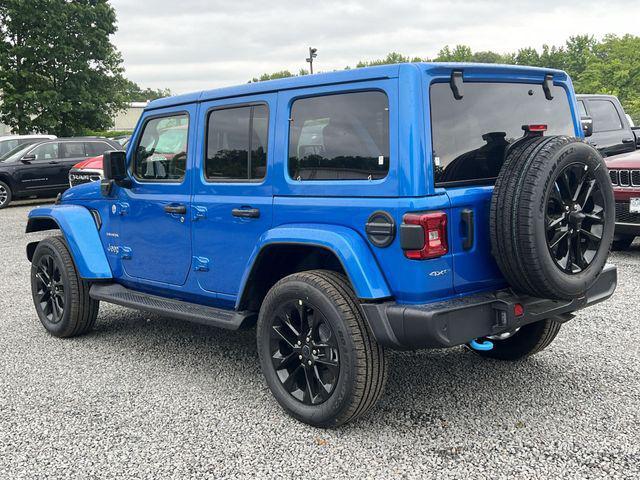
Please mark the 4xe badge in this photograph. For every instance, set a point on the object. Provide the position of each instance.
(439, 273)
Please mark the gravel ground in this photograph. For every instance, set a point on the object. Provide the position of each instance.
(149, 397)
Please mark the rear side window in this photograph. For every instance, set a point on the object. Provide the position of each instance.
(237, 144)
(94, 149)
(470, 135)
(72, 150)
(605, 116)
(161, 153)
(340, 137)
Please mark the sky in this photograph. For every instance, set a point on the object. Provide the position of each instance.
(189, 45)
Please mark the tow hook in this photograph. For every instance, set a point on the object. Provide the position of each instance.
(481, 345)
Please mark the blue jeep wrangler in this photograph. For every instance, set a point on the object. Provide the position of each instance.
(397, 207)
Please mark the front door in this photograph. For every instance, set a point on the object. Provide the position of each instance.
(40, 170)
(232, 202)
(155, 222)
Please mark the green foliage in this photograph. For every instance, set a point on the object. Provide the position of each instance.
(106, 133)
(134, 93)
(59, 73)
(281, 74)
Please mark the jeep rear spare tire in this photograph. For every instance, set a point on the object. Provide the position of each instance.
(552, 217)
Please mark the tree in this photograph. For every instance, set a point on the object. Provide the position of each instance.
(461, 53)
(281, 74)
(134, 93)
(59, 72)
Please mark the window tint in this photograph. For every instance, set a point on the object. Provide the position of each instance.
(470, 135)
(47, 151)
(72, 150)
(605, 116)
(161, 153)
(7, 146)
(94, 149)
(340, 137)
(237, 143)
(581, 110)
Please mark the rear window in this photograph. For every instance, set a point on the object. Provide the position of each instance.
(470, 135)
(340, 137)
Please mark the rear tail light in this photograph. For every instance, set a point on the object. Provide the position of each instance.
(426, 234)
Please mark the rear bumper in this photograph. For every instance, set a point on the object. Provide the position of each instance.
(458, 321)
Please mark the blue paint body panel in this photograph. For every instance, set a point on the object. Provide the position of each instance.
(207, 256)
(80, 231)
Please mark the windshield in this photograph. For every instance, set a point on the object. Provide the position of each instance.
(470, 135)
(15, 154)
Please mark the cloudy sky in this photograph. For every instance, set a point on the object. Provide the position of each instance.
(188, 45)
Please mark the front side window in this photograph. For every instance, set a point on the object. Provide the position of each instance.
(161, 153)
(48, 151)
(605, 116)
(470, 136)
(7, 146)
(237, 144)
(340, 137)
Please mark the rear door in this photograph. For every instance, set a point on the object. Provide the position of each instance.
(232, 201)
(470, 137)
(70, 154)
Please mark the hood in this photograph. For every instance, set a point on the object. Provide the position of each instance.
(94, 163)
(625, 161)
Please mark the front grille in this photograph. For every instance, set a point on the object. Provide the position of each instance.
(80, 178)
(625, 178)
(614, 176)
(624, 216)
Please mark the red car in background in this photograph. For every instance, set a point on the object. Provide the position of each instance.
(625, 177)
(90, 170)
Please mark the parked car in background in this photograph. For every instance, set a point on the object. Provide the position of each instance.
(612, 132)
(42, 169)
(625, 177)
(90, 170)
(11, 142)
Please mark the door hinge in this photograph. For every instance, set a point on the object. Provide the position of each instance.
(200, 264)
(120, 208)
(125, 253)
(199, 213)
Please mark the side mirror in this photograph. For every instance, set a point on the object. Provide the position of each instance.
(587, 126)
(28, 158)
(114, 164)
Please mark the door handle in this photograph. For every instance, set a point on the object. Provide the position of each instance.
(467, 219)
(177, 209)
(245, 212)
(628, 140)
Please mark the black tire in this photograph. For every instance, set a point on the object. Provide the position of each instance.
(537, 177)
(5, 195)
(360, 376)
(52, 261)
(623, 242)
(527, 341)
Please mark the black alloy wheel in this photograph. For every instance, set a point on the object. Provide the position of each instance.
(50, 291)
(304, 352)
(575, 218)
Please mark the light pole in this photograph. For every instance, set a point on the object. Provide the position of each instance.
(312, 54)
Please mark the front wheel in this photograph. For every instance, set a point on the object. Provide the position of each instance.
(60, 296)
(317, 354)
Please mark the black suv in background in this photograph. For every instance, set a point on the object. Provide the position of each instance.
(612, 132)
(42, 169)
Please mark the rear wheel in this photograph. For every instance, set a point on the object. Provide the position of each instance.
(316, 352)
(5, 195)
(524, 342)
(60, 296)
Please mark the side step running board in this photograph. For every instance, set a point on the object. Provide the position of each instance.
(193, 312)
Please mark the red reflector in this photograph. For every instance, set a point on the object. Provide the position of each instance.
(434, 225)
(518, 310)
(539, 127)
